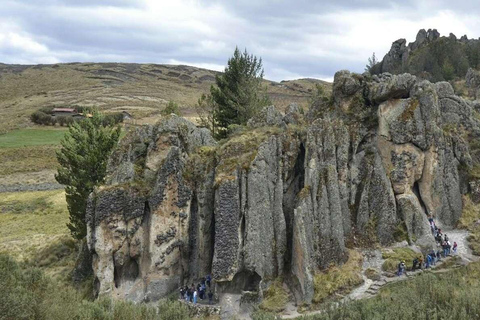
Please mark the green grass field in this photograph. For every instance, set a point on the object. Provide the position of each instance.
(31, 137)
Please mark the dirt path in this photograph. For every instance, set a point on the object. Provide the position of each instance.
(373, 259)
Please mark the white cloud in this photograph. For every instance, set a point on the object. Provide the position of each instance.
(301, 39)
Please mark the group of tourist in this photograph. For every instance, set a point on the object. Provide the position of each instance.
(433, 257)
(192, 293)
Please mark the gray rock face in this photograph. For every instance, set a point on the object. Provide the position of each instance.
(268, 116)
(282, 198)
(146, 227)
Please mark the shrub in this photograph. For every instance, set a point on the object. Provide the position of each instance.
(275, 297)
(372, 274)
(172, 310)
(112, 119)
(393, 258)
(338, 278)
(61, 120)
(452, 295)
(172, 107)
(40, 117)
(21, 290)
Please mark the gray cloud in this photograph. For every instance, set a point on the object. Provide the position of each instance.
(295, 38)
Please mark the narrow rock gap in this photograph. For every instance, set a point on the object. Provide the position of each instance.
(416, 191)
(146, 257)
(192, 238)
(297, 183)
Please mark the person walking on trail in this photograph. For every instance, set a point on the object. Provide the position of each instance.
(433, 255)
(415, 264)
(455, 247)
(195, 294)
(445, 250)
(429, 261)
(210, 297)
(446, 238)
(439, 255)
(401, 268)
(209, 280)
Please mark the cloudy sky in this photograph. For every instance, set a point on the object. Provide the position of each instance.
(301, 38)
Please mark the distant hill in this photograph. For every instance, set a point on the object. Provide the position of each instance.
(432, 57)
(141, 89)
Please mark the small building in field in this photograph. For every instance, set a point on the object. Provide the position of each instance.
(66, 112)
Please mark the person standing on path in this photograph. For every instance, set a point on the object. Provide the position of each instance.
(455, 247)
(195, 294)
(210, 297)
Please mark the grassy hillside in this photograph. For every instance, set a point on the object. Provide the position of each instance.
(141, 89)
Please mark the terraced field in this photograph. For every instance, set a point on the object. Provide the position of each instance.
(141, 89)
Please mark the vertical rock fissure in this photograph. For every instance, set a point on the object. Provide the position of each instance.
(297, 183)
(416, 192)
(192, 238)
(146, 257)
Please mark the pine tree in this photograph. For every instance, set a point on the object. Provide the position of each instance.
(239, 93)
(83, 164)
(371, 62)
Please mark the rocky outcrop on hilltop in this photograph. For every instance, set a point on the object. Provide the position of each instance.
(285, 196)
(431, 56)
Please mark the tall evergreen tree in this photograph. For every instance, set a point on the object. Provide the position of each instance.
(238, 94)
(83, 164)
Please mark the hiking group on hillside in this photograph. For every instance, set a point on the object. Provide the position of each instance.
(433, 256)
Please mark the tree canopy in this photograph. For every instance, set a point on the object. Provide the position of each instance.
(238, 93)
(83, 164)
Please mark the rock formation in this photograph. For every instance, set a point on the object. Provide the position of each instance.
(431, 57)
(287, 195)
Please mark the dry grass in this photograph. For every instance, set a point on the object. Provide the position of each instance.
(142, 89)
(27, 159)
(372, 274)
(274, 298)
(338, 278)
(470, 214)
(30, 221)
(469, 221)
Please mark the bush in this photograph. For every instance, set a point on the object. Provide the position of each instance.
(275, 298)
(393, 258)
(452, 295)
(343, 278)
(61, 120)
(26, 293)
(112, 119)
(172, 310)
(172, 107)
(42, 118)
(21, 290)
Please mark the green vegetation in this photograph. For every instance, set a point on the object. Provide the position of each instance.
(395, 256)
(83, 165)
(31, 137)
(27, 293)
(238, 94)
(469, 219)
(171, 107)
(274, 298)
(452, 295)
(441, 60)
(372, 61)
(206, 109)
(240, 150)
(338, 278)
